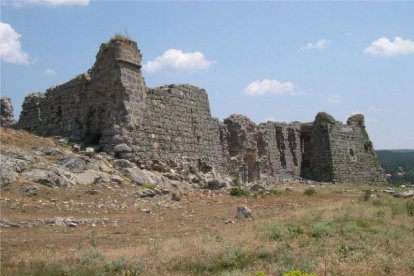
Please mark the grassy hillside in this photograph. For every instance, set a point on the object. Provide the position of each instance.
(398, 161)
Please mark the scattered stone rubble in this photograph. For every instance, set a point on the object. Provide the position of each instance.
(56, 221)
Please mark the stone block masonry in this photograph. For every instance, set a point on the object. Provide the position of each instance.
(111, 106)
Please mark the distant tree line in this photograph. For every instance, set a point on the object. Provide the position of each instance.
(398, 163)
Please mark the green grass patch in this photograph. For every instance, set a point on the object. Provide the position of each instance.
(150, 186)
(310, 192)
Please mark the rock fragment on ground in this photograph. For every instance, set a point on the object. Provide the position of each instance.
(243, 212)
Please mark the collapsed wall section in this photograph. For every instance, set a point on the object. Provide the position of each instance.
(271, 150)
(283, 156)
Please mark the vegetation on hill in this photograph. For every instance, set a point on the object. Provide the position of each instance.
(398, 163)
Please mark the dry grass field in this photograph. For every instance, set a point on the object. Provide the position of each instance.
(326, 230)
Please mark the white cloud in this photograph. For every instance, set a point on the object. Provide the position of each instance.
(49, 72)
(10, 46)
(177, 60)
(262, 87)
(334, 98)
(320, 44)
(47, 3)
(384, 47)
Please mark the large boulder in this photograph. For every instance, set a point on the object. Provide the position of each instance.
(123, 151)
(243, 212)
(12, 162)
(75, 164)
(216, 184)
(139, 177)
(50, 177)
(92, 177)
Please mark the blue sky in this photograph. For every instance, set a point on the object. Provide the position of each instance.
(283, 61)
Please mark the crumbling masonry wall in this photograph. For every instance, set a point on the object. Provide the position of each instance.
(177, 125)
(343, 153)
(269, 150)
(96, 106)
(111, 106)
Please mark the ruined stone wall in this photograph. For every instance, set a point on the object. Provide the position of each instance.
(321, 157)
(281, 156)
(271, 150)
(343, 153)
(353, 157)
(95, 106)
(177, 124)
(110, 105)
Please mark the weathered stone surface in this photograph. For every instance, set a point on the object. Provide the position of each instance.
(57, 221)
(51, 151)
(343, 153)
(406, 194)
(175, 196)
(75, 164)
(89, 151)
(146, 193)
(6, 112)
(49, 177)
(122, 164)
(140, 177)
(123, 151)
(12, 162)
(30, 190)
(215, 184)
(91, 177)
(243, 212)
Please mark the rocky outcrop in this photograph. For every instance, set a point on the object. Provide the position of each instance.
(12, 162)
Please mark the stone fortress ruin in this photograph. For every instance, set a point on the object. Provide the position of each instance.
(111, 106)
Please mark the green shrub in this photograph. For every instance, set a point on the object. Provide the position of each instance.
(320, 230)
(397, 209)
(275, 230)
(295, 230)
(117, 265)
(297, 272)
(410, 208)
(310, 192)
(237, 191)
(377, 202)
(138, 268)
(236, 181)
(92, 257)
